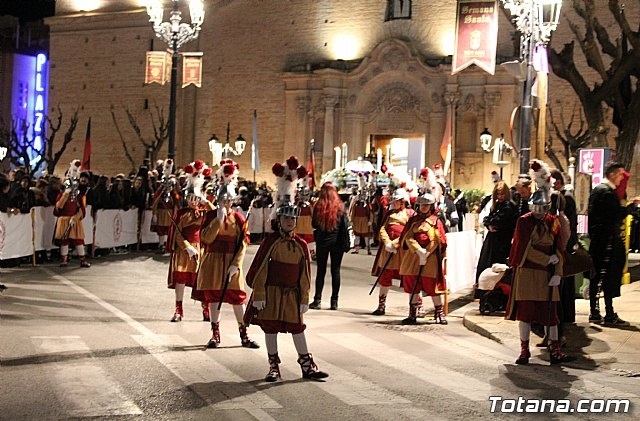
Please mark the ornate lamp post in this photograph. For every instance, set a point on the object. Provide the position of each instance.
(500, 149)
(220, 151)
(175, 34)
(535, 20)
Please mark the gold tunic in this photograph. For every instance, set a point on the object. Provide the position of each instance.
(215, 262)
(410, 262)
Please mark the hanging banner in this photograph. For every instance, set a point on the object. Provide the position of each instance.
(158, 67)
(476, 35)
(192, 69)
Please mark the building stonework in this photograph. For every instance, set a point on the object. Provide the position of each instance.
(279, 58)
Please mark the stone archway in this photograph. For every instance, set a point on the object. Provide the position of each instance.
(391, 91)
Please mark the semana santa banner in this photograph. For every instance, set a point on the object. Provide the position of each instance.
(157, 68)
(192, 69)
(476, 35)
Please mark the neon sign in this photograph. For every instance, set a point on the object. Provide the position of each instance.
(40, 100)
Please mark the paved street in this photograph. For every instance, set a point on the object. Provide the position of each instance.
(78, 344)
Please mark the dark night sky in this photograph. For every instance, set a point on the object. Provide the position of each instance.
(28, 10)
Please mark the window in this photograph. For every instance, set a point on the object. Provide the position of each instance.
(398, 9)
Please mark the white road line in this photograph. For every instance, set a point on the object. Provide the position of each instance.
(175, 363)
(585, 388)
(82, 386)
(350, 388)
(202, 370)
(439, 376)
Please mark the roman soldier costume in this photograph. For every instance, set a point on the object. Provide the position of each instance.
(361, 213)
(223, 241)
(184, 236)
(387, 262)
(280, 276)
(424, 241)
(70, 210)
(536, 258)
(165, 202)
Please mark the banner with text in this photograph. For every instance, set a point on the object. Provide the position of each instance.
(192, 69)
(158, 67)
(476, 35)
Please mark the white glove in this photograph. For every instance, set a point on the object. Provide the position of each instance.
(553, 259)
(192, 251)
(259, 305)
(67, 190)
(221, 213)
(154, 219)
(389, 248)
(304, 308)
(554, 281)
(369, 223)
(422, 255)
(233, 269)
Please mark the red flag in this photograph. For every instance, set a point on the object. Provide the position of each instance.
(311, 166)
(445, 146)
(86, 157)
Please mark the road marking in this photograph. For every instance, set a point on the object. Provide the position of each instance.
(175, 361)
(348, 387)
(202, 370)
(585, 388)
(82, 385)
(465, 386)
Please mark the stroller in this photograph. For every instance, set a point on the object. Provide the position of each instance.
(496, 280)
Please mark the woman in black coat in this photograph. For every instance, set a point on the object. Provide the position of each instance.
(329, 220)
(500, 224)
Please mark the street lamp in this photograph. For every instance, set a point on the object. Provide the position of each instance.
(175, 34)
(220, 151)
(500, 149)
(535, 20)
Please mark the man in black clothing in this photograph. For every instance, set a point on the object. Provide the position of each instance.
(606, 249)
(523, 194)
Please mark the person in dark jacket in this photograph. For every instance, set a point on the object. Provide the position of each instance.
(500, 224)
(23, 198)
(329, 216)
(606, 248)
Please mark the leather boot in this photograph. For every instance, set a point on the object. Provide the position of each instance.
(178, 314)
(206, 317)
(382, 304)
(64, 262)
(84, 263)
(438, 316)
(274, 368)
(244, 338)
(315, 305)
(556, 356)
(334, 304)
(524, 353)
(309, 368)
(411, 320)
(214, 342)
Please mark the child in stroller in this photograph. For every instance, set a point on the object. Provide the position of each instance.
(496, 280)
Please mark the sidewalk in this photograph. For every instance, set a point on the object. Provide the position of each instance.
(596, 345)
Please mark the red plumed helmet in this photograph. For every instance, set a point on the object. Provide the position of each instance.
(424, 173)
(383, 168)
(228, 169)
(278, 169)
(292, 162)
(198, 164)
(206, 172)
(535, 166)
(188, 169)
(77, 163)
(302, 172)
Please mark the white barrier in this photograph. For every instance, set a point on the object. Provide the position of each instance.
(24, 234)
(461, 260)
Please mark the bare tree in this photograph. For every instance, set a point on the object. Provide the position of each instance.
(572, 138)
(151, 146)
(20, 140)
(617, 86)
(52, 157)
